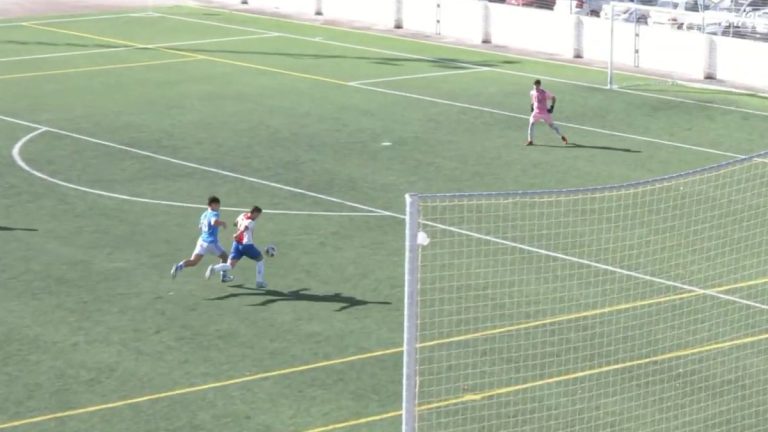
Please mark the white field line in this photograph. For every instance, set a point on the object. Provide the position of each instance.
(201, 167)
(601, 266)
(475, 66)
(384, 212)
(458, 104)
(21, 163)
(575, 126)
(55, 20)
(424, 75)
(469, 48)
(133, 47)
(672, 98)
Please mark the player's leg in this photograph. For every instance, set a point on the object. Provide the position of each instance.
(191, 262)
(554, 127)
(227, 263)
(197, 256)
(255, 254)
(531, 123)
(223, 266)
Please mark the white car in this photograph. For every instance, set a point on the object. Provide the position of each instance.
(670, 13)
(755, 23)
(627, 12)
(691, 15)
(581, 7)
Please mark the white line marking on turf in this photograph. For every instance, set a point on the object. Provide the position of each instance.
(231, 26)
(672, 98)
(495, 111)
(475, 66)
(458, 104)
(424, 75)
(134, 47)
(201, 167)
(76, 19)
(474, 49)
(384, 212)
(16, 153)
(601, 266)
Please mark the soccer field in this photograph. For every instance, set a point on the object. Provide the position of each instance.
(116, 128)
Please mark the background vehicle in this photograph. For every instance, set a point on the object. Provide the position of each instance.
(627, 12)
(543, 4)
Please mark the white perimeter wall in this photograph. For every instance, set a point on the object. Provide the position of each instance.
(684, 54)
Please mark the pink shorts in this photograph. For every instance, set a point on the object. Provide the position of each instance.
(541, 116)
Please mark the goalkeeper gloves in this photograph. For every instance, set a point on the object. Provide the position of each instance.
(551, 109)
(531, 107)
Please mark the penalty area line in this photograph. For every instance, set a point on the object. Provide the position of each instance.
(16, 153)
(396, 215)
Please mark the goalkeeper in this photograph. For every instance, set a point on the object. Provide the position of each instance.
(541, 112)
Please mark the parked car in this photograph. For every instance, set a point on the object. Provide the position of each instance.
(750, 19)
(754, 24)
(627, 12)
(543, 4)
(692, 15)
(573, 7)
(581, 7)
(671, 16)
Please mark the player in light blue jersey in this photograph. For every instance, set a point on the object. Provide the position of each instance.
(208, 243)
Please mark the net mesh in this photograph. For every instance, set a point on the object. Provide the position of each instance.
(638, 307)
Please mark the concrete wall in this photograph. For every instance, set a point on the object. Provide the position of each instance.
(683, 54)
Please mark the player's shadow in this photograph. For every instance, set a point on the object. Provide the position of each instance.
(274, 296)
(7, 228)
(573, 145)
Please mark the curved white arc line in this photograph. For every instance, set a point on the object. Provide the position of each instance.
(19, 161)
(209, 169)
(384, 212)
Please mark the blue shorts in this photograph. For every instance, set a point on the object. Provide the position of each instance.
(240, 250)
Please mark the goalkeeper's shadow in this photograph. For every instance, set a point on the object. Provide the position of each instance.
(573, 145)
(275, 296)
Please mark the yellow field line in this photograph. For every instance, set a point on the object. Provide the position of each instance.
(184, 53)
(350, 423)
(480, 396)
(191, 56)
(93, 68)
(367, 356)
(590, 313)
(193, 389)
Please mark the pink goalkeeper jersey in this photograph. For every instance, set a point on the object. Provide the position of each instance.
(539, 99)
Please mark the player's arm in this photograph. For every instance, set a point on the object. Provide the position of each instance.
(241, 229)
(219, 223)
(552, 105)
(238, 233)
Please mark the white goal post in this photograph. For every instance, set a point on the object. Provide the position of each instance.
(639, 306)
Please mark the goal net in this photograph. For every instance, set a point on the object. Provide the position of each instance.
(633, 307)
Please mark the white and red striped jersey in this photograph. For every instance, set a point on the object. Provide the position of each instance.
(246, 225)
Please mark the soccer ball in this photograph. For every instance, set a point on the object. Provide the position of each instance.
(271, 250)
